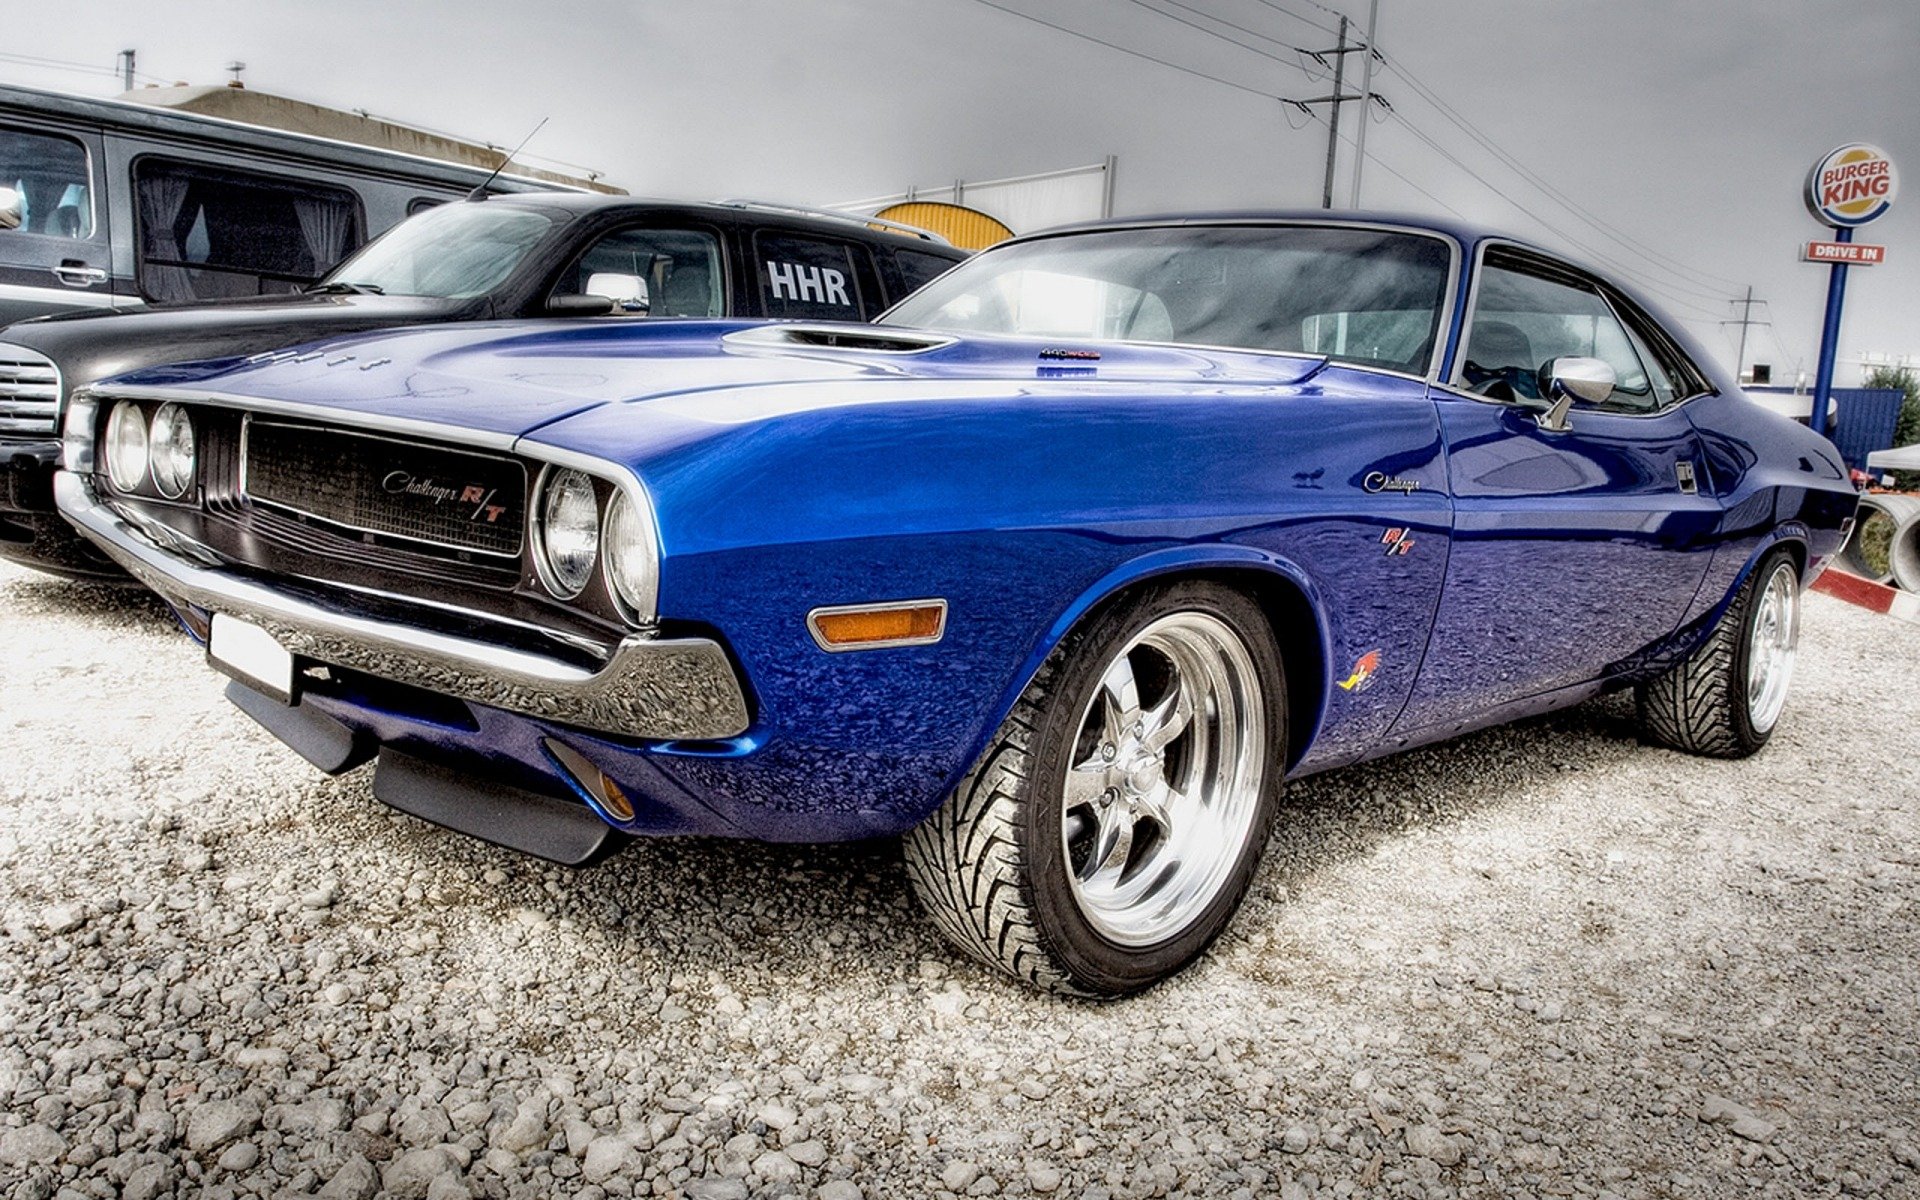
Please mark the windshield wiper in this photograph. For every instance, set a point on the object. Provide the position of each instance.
(336, 286)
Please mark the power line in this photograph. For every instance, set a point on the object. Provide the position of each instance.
(1230, 25)
(1212, 33)
(1322, 27)
(1377, 161)
(1600, 224)
(1087, 37)
(1670, 296)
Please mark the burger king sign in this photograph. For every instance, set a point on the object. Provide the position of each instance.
(1851, 186)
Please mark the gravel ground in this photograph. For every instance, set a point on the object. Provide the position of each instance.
(1543, 961)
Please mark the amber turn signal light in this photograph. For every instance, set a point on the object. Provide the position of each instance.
(874, 626)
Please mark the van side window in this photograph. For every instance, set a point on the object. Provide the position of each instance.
(810, 278)
(917, 270)
(210, 232)
(680, 268)
(50, 176)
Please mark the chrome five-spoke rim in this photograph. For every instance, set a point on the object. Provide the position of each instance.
(1165, 779)
(1771, 646)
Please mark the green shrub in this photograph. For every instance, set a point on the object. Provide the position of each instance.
(1906, 431)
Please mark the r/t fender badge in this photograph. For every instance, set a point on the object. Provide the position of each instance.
(1397, 541)
(1380, 481)
(1363, 673)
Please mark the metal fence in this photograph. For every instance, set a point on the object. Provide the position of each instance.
(1867, 417)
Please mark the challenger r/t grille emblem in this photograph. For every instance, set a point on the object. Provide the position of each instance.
(477, 497)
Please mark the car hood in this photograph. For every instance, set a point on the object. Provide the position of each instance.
(510, 379)
(95, 344)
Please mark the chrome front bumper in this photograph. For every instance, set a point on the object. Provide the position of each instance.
(666, 688)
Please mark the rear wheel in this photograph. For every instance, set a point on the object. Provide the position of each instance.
(1725, 699)
(1110, 830)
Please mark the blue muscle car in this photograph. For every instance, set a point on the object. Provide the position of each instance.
(1059, 570)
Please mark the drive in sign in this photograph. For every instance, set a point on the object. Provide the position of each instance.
(1852, 185)
(1859, 254)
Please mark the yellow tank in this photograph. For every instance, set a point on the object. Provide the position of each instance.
(967, 228)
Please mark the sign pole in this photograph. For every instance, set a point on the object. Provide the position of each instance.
(1829, 338)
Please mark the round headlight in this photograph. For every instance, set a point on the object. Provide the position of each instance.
(172, 450)
(127, 446)
(567, 541)
(633, 565)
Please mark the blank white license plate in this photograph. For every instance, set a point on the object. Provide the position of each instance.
(249, 654)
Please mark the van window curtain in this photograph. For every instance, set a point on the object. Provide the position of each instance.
(163, 198)
(327, 226)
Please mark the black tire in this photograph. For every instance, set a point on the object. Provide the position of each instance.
(1701, 705)
(991, 865)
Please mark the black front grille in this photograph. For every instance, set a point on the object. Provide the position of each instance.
(385, 489)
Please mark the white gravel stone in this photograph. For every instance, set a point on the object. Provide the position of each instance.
(605, 1158)
(473, 1022)
(959, 1175)
(211, 1126)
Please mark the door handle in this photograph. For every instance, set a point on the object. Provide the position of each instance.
(78, 275)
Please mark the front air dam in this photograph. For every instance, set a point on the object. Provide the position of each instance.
(562, 831)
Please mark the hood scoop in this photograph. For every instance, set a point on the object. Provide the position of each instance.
(837, 337)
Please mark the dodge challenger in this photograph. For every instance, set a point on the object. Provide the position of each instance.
(1058, 572)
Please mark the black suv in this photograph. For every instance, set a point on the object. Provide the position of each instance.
(504, 257)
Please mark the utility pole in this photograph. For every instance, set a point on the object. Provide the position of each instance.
(126, 70)
(1746, 319)
(1366, 93)
(1340, 96)
(1333, 115)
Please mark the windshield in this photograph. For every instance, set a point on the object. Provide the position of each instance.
(453, 251)
(1357, 295)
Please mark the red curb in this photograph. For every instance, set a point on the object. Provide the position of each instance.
(1868, 594)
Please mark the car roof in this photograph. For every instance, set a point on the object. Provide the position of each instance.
(579, 204)
(1465, 232)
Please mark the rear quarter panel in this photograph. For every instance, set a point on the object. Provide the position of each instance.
(1777, 481)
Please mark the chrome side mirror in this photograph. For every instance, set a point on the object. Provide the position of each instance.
(628, 292)
(11, 209)
(1567, 379)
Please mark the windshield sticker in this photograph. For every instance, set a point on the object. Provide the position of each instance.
(818, 285)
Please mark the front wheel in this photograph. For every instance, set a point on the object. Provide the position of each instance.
(1726, 698)
(1108, 833)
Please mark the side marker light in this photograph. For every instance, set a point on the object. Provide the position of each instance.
(877, 626)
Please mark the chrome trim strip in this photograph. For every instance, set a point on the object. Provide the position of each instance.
(1454, 384)
(781, 337)
(679, 688)
(1442, 328)
(321, 414)
(939, 631)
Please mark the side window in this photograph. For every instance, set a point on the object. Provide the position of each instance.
(1523, 320)
(810, 278)
(210, 232)
(1672, 371)
(680, 267)
(917, 270)
(49, 176)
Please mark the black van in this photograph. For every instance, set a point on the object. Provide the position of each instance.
(106, 203)
(528, 255)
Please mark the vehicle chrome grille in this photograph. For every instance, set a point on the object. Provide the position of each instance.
(29, 392)
(386, 491)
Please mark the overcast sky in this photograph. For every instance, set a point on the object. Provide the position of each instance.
(1688, 127)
